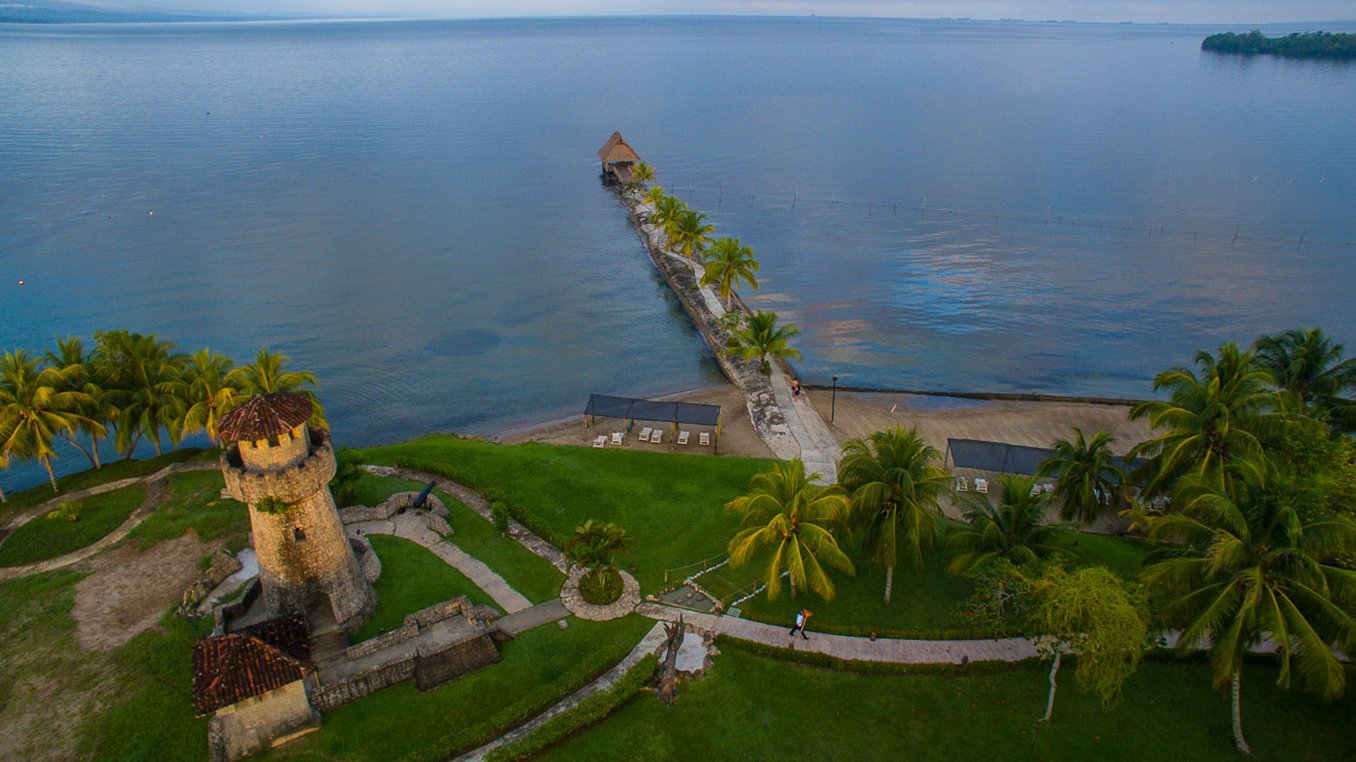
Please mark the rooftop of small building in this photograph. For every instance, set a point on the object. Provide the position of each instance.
(239, 665)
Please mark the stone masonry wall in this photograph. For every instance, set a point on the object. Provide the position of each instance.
(257, 723)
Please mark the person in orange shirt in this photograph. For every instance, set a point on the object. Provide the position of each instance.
(801, 617)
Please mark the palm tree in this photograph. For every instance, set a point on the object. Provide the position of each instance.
(79, 373)
(1013, 530)
(666, 209)
(1309, 365)
(761, 336)
(894, 483)
(689, 233)
(208, 391)
(1254, 570)
(642, 172)
(1087, 471)
(785, 512)
(143, 373)
(652, 195)
(595, 544)
(4, 466)
(34, 409)
(729, 262)
(268, 374)
(1208, 419)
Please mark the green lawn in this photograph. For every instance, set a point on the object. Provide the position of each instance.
(411, 578)
(194, 502)
(112, 470)
(43, 538)
(539, 667)
(754, 707)
(671, 504)
(525, 571)
(373, 490)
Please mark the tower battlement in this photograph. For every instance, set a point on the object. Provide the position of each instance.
(299, 473)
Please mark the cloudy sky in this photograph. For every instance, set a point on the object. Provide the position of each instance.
(1176, 11)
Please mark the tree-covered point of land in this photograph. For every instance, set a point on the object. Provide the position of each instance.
(1307, 45)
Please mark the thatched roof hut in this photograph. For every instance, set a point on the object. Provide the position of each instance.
(617, 156)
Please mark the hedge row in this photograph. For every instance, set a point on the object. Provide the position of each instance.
(519, 712)
(585, 714)
(825, 661)
(490, 493)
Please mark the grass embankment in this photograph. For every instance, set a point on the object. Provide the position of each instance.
(112, 471)
(411, 578)
(540, 667)
(194, 502)
(793, 711)
(525, 571)
(60, 701)
(43, 538)
(671, 504)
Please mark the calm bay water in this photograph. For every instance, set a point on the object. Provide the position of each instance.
(412, 210)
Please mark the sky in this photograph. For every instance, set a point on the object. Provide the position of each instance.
(1144, 11)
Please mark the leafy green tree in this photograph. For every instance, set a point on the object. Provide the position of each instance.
(689, 233)
(143, 371)
(785, 512)
(594, 547)
(1250, 568)
(268, 374)
(1209, 419)
(79, 374)
(1308, 365)
(1095, 616)
(207, 391)
(1014, 530)
(34, 410)
(894, 482)
(761, 337)
(728, 262)
(1087, 473)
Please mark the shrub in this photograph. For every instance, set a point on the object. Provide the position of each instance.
(601, 586)
(499, 515)
(67, 510)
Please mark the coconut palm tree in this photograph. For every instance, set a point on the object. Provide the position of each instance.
(208, 391)
(79, 373)
(1306, 363)
(689, 233)
(1088, 475)
(1253, 569)
(666, 209)
(894, 481)
(785, 512)
(1209, 419)
(652, 195)
(761, 336)
(34, 409)
(642, 172)
(728, 262)
(143, 373)
(1013, 530)
(268, 374)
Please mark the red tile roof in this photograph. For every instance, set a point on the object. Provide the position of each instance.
(239, 665)
(265, 416)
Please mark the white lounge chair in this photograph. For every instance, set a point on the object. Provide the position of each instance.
(1036, 489)
(645, 434)
(657, 436)
(961, 484)
(600, 440)
(682, 437)
(981, 486)
(617, 439)
(704, 439)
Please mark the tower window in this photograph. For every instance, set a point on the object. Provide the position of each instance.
(299, 534)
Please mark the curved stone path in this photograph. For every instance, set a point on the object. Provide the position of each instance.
(156, 490)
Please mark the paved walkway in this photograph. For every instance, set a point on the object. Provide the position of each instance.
(850, 647)
(648, 645)
(411, 526)
(536, 616)
(156, 490)
(819, 448)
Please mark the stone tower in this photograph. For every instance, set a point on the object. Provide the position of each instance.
(281, 468)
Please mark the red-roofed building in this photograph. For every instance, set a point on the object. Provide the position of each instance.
(255, 683)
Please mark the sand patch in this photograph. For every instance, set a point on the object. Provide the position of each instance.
(129, 591)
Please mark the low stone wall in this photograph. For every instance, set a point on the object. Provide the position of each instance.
(368, 560)
(390, 507)
(335, 695)
(438, 525)
(409, 629)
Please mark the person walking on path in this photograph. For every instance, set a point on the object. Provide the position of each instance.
(795, 390)
(801, 617)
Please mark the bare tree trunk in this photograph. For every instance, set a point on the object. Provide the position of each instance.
(1050, 700)
(156, 441)
(51, 475)
(792, 578)
(889, 583)
(76, 444)
(1235, 682)
(94, 448)
(668, 681)
(2, 495)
